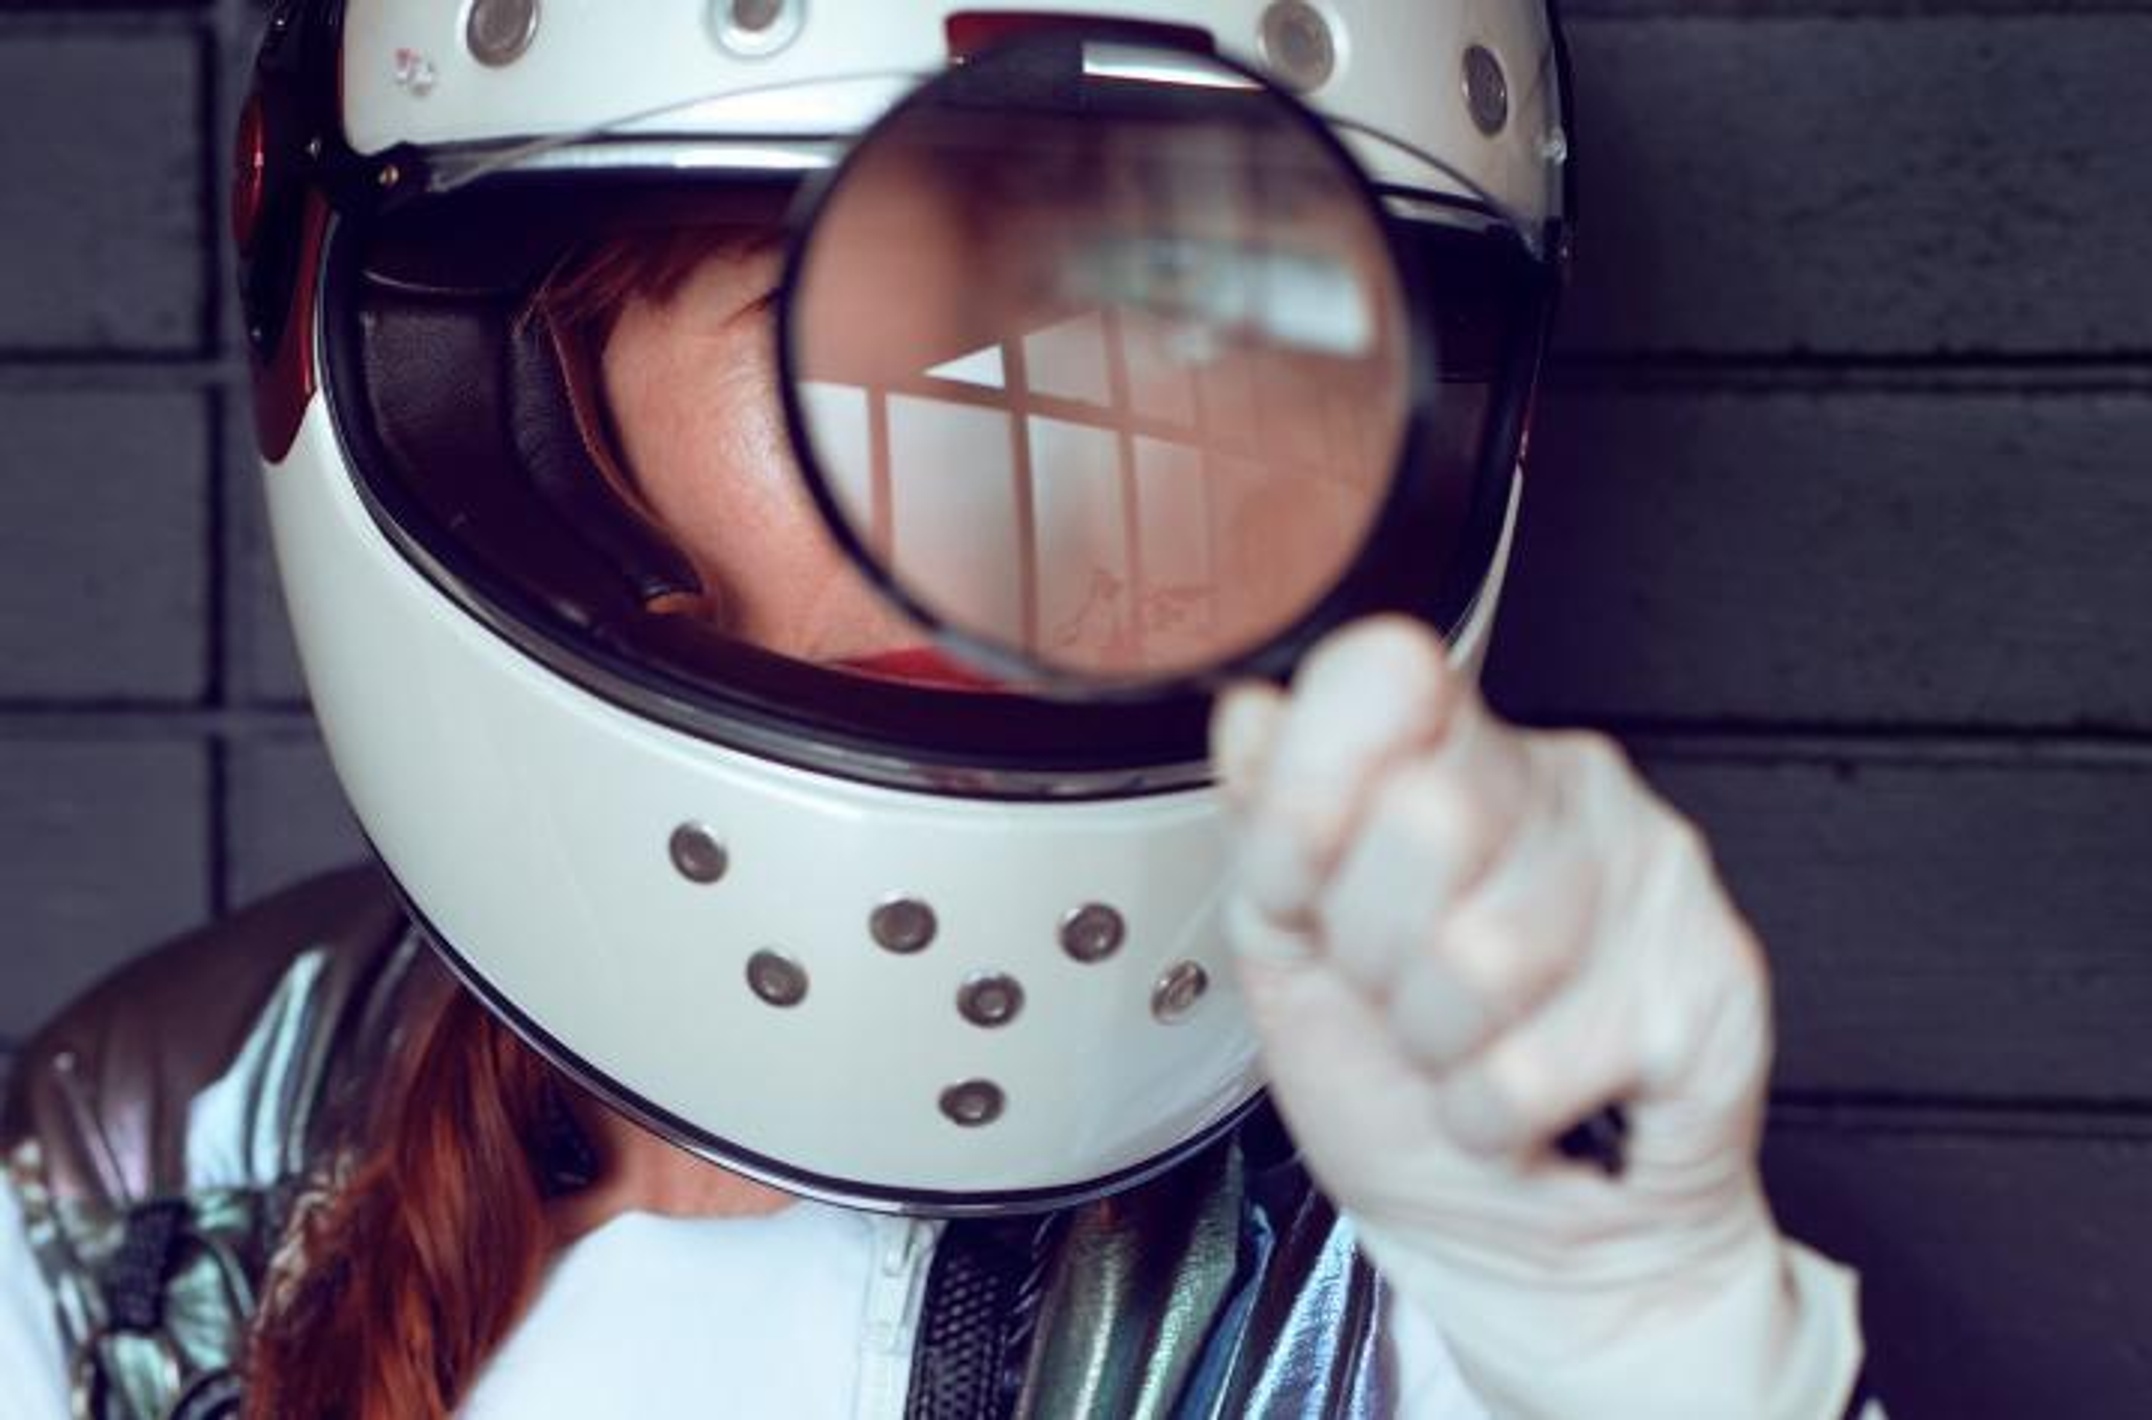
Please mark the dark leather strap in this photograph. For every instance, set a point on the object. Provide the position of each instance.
(136, 1274)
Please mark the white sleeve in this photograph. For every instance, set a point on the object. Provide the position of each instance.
(33, 1363)
(1423, 1375)
(1429, 1386)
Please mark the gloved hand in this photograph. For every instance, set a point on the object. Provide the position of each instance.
(1458, 939)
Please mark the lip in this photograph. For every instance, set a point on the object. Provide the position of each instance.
(923, 666)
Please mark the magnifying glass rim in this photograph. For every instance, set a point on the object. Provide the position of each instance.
(1270, 657)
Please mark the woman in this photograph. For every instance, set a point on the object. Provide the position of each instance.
(672, 785)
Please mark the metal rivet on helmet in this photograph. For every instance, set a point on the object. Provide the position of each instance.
(902, 925)
(754, 28)
(498, 31)
(776, 978)
(697, 854)
(1178, 990)
(1092, 932)
(990, 1000)
(1486, 90)
(973, 1103)
(1298, 44)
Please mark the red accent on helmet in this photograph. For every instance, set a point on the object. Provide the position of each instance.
(920, 665)
(250, 173)
(971, 31)
(284, 377)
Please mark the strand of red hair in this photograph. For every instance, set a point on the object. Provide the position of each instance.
(419, 1263)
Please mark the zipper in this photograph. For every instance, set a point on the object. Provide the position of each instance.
(896, 1291)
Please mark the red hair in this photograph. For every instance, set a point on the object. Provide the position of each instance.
(419, 1263)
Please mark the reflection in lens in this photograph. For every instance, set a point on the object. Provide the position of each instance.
(1108, 372)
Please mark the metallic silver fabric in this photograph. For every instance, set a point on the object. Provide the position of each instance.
(1227, 1289)
(147, 1370)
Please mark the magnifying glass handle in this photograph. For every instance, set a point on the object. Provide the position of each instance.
(1601, 1140)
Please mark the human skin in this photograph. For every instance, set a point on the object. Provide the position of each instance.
(692, 383)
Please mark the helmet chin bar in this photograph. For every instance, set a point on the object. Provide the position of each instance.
(850, 1193)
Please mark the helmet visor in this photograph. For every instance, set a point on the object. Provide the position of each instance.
(1126, 397)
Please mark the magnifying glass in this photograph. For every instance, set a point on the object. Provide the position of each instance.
(1101, 362)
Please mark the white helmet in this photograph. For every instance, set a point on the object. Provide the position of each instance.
(890, 944)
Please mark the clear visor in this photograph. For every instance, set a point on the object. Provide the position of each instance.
(1122, 375)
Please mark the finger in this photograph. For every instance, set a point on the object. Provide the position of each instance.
(1256, 935)
(1506, 951)
(1433, 828)
(1343, 1089)
(1366, 697)
(1243, 732)
(1581, 1049)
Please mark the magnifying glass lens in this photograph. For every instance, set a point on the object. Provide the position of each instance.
(1106, 370)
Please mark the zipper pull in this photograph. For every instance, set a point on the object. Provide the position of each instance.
(900, 1244)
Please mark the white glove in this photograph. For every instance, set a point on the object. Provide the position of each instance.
(1458, 939)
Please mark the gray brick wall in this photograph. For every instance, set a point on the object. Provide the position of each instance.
(107, 229)
(1837, 514)
(157, 764)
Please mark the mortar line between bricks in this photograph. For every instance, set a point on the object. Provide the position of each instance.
(34, 371)
(220, 115)
(1940, 746)
(1926, 745)
(155, 722)
(1953, 1116)
(213, 158)
(217, 830)
(41, 19)
(1958, 374)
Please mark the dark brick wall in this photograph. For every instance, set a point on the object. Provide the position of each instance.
(157, 763)
(1839, 515)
